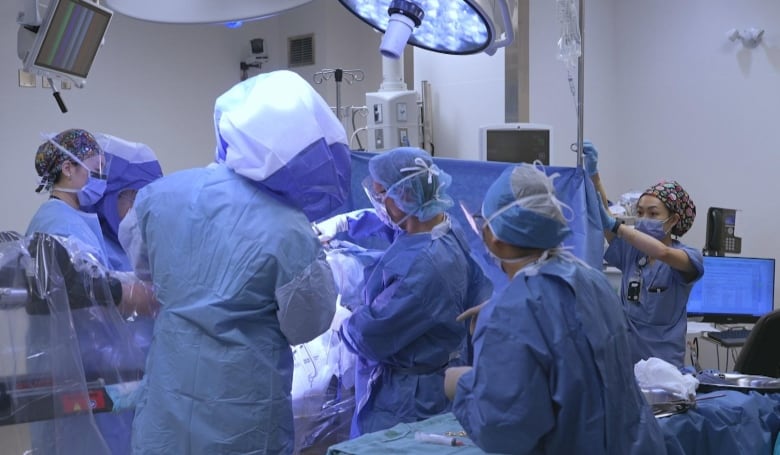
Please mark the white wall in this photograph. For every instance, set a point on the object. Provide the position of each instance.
(698, 108)
(468, 91)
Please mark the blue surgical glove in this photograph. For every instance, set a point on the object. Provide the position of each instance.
(591, 156)
(607, 220)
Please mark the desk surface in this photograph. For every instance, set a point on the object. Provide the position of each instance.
(724, 422)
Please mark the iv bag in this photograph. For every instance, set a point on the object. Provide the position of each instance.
(570, 42)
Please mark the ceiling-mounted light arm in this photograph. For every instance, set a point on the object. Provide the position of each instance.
(404, 17)
(509, 32)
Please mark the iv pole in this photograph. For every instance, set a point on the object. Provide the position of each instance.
(347, 76)
(581, 85)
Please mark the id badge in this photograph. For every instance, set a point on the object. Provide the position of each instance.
(632, 293)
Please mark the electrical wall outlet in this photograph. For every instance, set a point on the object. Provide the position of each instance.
(27, 79)
(403, 137)
(400, 112)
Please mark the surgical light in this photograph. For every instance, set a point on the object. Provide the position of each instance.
(448, 26)
(201, 11)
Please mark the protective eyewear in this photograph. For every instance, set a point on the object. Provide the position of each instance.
(101, 170)
(475, 220)
(369, 188)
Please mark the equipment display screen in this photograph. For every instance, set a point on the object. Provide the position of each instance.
(733, 289)
(72, 38)
(518, 146)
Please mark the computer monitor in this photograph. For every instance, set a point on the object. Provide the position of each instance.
(733, 290)
(68, 40)
(516, 143)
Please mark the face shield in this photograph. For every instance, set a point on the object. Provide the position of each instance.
(377, 199)
(475, 221)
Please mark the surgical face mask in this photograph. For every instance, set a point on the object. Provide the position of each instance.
(91, 192)
(499, 262)
(478, 223)
(652, 227)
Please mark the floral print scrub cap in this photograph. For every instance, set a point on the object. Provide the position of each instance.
(49, 159)
(677, 200)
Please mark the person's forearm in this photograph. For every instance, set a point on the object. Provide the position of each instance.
(642, 242)
(596, 179)
(451, 377)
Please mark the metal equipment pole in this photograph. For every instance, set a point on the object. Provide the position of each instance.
(581, 86)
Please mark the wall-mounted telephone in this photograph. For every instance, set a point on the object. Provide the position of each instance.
(720, 232)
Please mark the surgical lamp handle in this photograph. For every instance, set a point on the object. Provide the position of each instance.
(57, 97)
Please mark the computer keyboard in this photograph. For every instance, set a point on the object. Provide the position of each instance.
(730, 337)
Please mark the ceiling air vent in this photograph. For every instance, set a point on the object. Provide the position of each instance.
(300, 50)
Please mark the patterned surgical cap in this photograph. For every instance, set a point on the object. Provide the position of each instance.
(677, 200)
(49, 159)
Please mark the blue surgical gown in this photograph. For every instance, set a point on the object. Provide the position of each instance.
(405, 335)
(552, 372)
(106, 345)
(658, 321)
(219, 371)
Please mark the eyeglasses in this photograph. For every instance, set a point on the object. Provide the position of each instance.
(476, 220)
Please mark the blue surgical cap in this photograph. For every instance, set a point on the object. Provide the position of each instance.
(416, 185)
(522, 210)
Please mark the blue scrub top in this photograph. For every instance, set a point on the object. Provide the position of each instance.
(55, 217)
(658, 319)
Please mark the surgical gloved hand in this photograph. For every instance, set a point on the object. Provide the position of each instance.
(327, 229)
(607, 220)
(472, 313)
(591, 157)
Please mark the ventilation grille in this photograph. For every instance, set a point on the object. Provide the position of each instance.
(300, 50)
